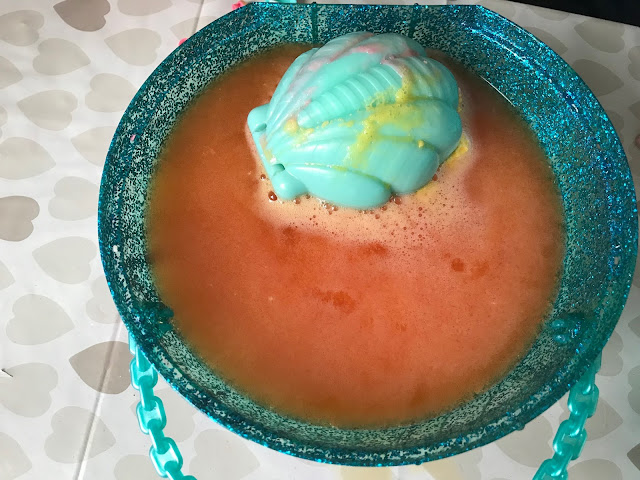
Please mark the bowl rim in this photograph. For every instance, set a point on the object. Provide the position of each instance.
(484, 434)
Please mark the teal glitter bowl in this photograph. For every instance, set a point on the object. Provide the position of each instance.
(584, 153)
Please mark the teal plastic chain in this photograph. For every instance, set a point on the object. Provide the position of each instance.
(571, 435)
(164, 452)
(167, 459)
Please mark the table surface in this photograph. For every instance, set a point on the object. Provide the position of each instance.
(67, 72)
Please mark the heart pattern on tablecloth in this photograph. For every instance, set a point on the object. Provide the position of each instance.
(595, 469)
(611, 359)
(58, 56)
(184, 29)
(22, 158)
(634, 456)
(203, 21)
(445, 469)
(27, 391)
(3, 118)
(603, 36)
(634, 62)
(70, 48)
(66, 259)
(600, 79)
(84, 15)
(634, 394)
(529, 446)
(13, 461)
(51, 109)
(37, 319)
(143, 7)
(20, 28)
(469, 464)
(135, 467)
(6, 279)
(93, 144)
(104, 366)
(634, 325)
(16, 217)
(138, 46)
(636, 273)
(634, 109)
(109, 93)
(100, 307)
(9, 73)
(69, 427)
(75, 198)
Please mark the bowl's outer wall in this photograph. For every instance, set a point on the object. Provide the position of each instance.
(584, 153)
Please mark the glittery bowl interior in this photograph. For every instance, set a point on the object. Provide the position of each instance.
(583, 150)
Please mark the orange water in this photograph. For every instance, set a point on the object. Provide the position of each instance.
(354, 318)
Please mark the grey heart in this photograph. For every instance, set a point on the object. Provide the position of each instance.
(595, 469)
(9, 73)
(137, 46)
(600, 79)
(6, 279)
(611, 359)
(3, 116)
(634, 325)
(109, 93)
(104, 366)
(75, 199)
(69, 427)
(50, 110)
(23, 158)
(26, 391)
(634, 62)
(58, 56)
(16, 215)
(529, 446)
(12, 458)
(93, 144)
(142, 7)
(100, 307)
(66, 259)
(602, 35)
(634, 394)
(20, 28)
(85, 15)
(634, 456)
(135, 467)
(37, 319)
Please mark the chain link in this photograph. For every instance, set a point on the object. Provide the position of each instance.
(164, 452)
(571, 435)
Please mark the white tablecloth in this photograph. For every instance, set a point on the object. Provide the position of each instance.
(67, 72)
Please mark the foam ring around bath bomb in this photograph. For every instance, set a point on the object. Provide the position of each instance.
(360, 119)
